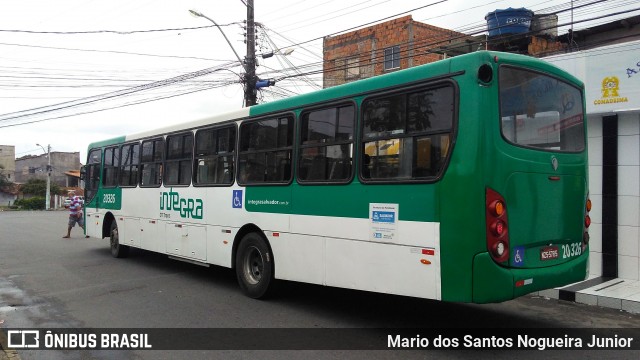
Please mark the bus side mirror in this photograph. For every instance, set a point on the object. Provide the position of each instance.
(83, 171)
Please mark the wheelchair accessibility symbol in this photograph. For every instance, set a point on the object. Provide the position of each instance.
(518, 256)
(237, 199)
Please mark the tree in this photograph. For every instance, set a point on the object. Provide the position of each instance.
(38, 187)
(3, 179)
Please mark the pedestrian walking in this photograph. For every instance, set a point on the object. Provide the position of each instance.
(75, 215)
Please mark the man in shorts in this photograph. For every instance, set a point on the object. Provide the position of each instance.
(75, 215)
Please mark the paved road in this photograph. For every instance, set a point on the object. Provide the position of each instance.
(50, 282)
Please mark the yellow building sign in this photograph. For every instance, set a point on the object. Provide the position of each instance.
(610, 92)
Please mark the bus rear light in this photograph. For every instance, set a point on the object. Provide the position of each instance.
(497, 208)
(587, 223)
(499, 249)
(497, 226)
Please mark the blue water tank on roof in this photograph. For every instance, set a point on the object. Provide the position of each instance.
(509, 21)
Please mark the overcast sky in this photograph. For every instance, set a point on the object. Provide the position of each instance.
(67, 57)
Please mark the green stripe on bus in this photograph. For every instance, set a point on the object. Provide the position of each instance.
(112, 141)
(417, 202)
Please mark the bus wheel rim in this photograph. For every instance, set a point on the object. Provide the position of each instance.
(253, 265)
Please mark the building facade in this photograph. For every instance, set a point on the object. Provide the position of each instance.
(35, 167)
(8, 194)
(612, 81)
(8, 162)
(393, 45)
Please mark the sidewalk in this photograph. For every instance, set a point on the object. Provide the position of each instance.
(614, 293)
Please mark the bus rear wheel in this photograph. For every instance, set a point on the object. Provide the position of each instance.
(254, 266)
(117, 250)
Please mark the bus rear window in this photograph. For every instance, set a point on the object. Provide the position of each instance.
(540, 111)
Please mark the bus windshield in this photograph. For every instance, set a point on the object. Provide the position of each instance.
(540, 111)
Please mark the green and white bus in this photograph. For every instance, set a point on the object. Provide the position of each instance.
(461, 180)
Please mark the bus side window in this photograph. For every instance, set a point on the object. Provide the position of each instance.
(129, 161)
(92, 177)
(177, 170)
(326, 144)
(406, 136)
(266, 148)
(151, 163)
(215, 156)
(111, 164)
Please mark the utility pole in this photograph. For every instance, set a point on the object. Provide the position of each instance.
(48, 195)
(249, 79)
(250, 60)
(47, 203)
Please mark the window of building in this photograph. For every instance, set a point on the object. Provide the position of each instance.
(151, 163)
(266, 148)
(392, 58)
(111, 163)
(407, 136)
(130, 160)
(215, 156)
(177, 169)
(326, 144)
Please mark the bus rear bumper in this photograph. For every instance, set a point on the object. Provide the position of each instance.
(494, 283)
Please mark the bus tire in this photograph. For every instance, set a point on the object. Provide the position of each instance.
(254, 266)
(117, 250)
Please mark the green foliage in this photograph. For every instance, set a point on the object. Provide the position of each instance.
(38, 187)
(34, 203)
(3, 179)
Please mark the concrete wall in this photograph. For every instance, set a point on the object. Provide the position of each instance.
(627, 239)
(629, 195)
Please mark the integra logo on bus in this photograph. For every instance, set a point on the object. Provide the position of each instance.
(188, 208)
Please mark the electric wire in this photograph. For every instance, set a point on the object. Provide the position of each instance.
(317, 71)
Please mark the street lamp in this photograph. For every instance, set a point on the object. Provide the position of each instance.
(48, 194)
(199, 14)
(286, 52)
(249, 65)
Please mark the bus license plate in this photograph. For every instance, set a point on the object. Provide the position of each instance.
(549, 253)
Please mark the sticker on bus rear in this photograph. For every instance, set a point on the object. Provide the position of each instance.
(518, 256)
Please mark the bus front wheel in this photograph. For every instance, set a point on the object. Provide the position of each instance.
(254, 266)
(117, 250)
